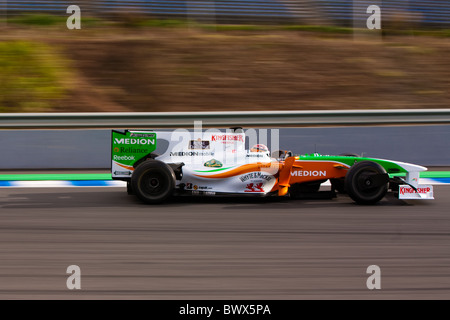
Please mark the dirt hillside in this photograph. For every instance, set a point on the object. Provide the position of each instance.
(188, 69)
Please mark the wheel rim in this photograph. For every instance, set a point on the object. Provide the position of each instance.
(153, 183)
(365, 183)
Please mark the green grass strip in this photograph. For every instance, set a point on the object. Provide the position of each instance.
(107, 176)
(435, 174)
(55, 176)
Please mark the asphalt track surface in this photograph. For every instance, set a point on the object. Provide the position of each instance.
(214, 248)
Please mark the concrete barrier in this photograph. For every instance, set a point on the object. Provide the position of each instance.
(90, 149)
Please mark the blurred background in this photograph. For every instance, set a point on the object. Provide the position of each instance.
(175, 55)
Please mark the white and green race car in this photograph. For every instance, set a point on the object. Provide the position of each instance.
(217, 163)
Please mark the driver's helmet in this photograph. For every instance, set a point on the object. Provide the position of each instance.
(259, 148)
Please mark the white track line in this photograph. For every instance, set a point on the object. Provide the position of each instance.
(63, 184)
(117, 183)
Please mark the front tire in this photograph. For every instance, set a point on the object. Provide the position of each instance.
(366, 182)
(153, 181)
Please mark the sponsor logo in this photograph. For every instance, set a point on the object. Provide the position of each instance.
(129, 158)
(199, 144)
(190, 154)
(135, 141)
(130, 150)
(407, 190)
(256, 175)
(122, 173)
(142, 135)
(213, 163)
(254, 187)
(189, 186)
(227, 137)
(301, 173)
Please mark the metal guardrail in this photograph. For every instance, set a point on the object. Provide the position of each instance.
(340, 12)
(222, 119)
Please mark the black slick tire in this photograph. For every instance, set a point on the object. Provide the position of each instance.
(153, 181)
(366, 182)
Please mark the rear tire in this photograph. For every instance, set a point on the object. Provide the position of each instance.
(153, 181)
(361, 182)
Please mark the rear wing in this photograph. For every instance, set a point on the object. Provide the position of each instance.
(127, 148)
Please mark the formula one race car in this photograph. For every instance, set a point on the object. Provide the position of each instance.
(159, 164)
